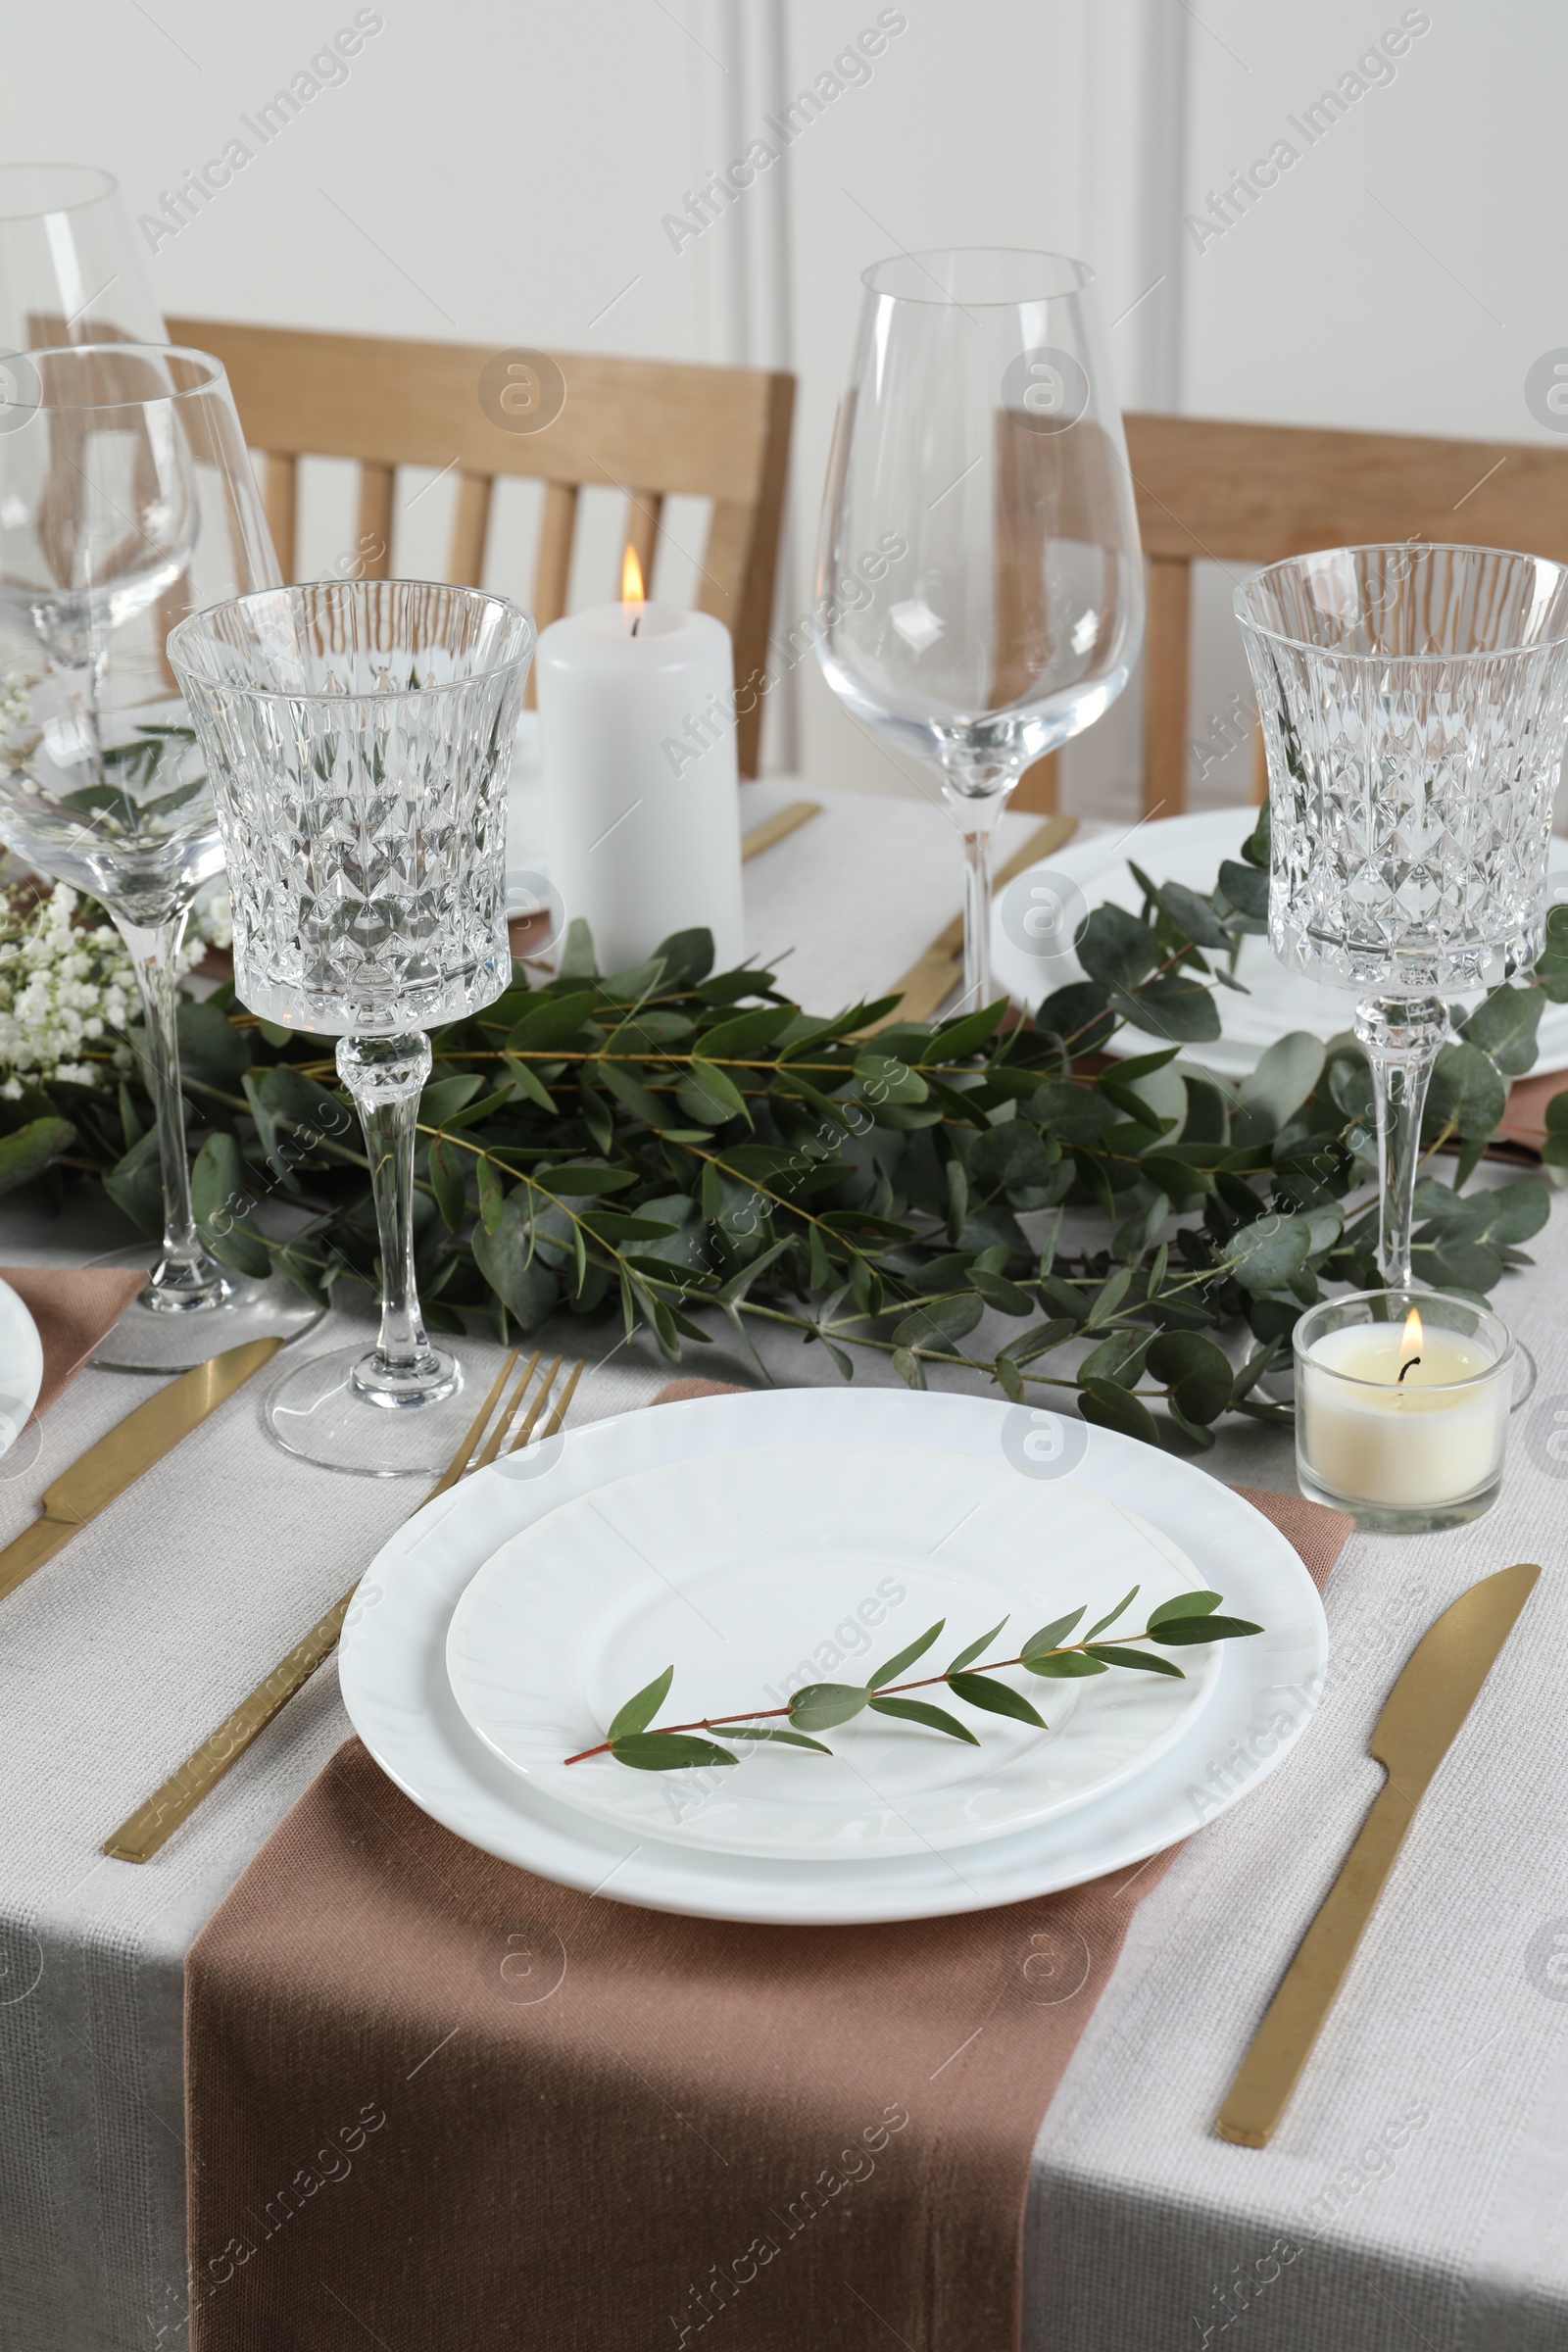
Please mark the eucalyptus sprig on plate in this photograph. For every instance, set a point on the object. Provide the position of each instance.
(1180, 1623)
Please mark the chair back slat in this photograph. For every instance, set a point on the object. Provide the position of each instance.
(1245, 495)
(672, 428)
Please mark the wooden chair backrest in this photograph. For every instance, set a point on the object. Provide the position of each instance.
(649, 428)
(1245, 495)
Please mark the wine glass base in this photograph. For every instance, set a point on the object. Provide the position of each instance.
(154, 1338)
(319, 1411)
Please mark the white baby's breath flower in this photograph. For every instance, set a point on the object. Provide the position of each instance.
(67, 983)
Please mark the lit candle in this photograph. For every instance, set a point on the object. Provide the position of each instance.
(1411, 1416)
(637, 750)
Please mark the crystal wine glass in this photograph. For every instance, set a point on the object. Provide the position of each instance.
(126, 500)
(979, 582)
(358, 734)
(1414, 702)
(69, 265)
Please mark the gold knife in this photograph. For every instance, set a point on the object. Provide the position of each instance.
(1420, 1720)
(132, 1446)
(928, 984)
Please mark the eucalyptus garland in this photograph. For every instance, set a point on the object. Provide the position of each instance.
(677, 1149)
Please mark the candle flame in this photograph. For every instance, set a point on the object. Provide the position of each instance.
(631, 579)
(1412, 1343)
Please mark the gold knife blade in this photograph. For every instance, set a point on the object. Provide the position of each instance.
(1421, 1718)
(132, 1446)
(928, 984)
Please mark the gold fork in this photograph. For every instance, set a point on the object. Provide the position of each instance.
(141, 1835)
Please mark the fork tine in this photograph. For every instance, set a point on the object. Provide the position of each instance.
(460, 1460)
(492, 1444)
(537, 1407)
(551, 1427)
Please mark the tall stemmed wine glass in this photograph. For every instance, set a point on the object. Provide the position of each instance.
(979, 582)
(1414, 702)
(126, 500)
(71, 269)
(359, 735)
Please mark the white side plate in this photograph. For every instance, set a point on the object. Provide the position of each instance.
(20, 1366)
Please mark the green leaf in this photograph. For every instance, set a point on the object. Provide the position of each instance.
(27, 1151)
(1108, 1406)
(639, 1711)
(941, 1324)
(1195, 1369)
(1257, 848)
(1521, 1210)
(711, 1097)
(511, 1266)
(667, 1751)
(916, 1710)
(210, 1049)
(555, 1020)
(1100, 1624)
(1141, 1661)
(1184, 1633)
(1287, 1073)
(1505, 1025)
(445, 1096)
(223, 1205)
(818, 1706)
(745, 1036)
(1467, 1093)
(133, 1183)
(1246, 888)
(579, 1179)
(1176, 1005)
(1075, 1114)
(1267, 1255)
(633, 1096)
(746, 1730)
(492, 1194)
(1066, 1666)
(1184, 1605)
(1116, 949)
(957, 1040)
(895, 1666)
(967, 1657)
(1052, 1635)
(997, 1698)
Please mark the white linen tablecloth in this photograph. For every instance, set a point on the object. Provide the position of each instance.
(1418, 2188)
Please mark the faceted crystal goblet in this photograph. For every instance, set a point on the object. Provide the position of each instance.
(359, 736)
(1414, 702)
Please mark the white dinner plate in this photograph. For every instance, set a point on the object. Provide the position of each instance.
(811, 1563)
(400, 1699)
(1190, 849)
(20, 1366)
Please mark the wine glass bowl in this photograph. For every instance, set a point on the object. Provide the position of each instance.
(359, 735)
(1414, 706)
(126, 500)
(70, 269)
(979, 579)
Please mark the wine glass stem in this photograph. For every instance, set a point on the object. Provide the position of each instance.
(387, 1076)
(1402, 1037)
(978, 817)
(186, 1274)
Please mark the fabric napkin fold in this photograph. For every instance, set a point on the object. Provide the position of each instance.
(435, 2100)
(73, 1306)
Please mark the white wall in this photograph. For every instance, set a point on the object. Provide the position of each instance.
(497, 170)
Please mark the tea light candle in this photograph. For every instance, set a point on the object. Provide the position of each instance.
(1406, 1417)
(637, 750)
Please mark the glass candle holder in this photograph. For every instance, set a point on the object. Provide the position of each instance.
(1401, 1407)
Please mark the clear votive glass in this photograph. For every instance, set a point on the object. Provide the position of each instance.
(1401, 1407)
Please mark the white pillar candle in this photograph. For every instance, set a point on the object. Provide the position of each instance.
(637, 749)
(1433, 1436)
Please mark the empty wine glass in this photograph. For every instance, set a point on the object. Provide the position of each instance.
(359, 735)
(1414, 702)
(71, 269)
(127, 499)
(979, 581)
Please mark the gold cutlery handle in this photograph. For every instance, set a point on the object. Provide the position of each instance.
(1283, 2042)
(144, 1831)
(36, 1544)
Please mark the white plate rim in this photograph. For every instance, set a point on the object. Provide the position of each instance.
(19, 1332)
(393, 1679)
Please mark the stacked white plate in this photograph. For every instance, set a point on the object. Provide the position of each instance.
(1190, 849)
(760, 1542)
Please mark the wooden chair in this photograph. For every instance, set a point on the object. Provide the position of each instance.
(1244, 495)
(650, 428)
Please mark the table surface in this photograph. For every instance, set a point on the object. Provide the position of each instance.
(1418, 2186)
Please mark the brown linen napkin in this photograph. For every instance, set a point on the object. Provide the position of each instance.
(435, 2100)
(72, 1306)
